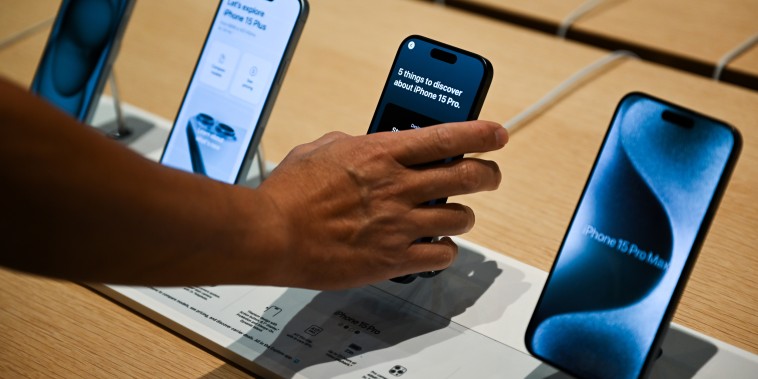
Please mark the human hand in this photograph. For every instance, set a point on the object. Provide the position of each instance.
(350, 208)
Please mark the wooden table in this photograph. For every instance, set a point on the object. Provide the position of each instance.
(745, 67)
(544, 15)
(691, 35)
(18, 15)
(51, 328)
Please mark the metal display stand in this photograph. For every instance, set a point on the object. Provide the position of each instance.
(125, 129)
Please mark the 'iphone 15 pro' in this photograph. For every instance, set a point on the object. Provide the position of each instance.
(431, 83)
(80, 51)
(233, 87)
(632, 242)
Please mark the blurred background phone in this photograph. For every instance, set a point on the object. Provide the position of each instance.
(431, 83)
(632, 242)
(80, 51)
(233, 87)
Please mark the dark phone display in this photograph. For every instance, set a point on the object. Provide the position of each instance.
(78, 55)
(431, 83)
(640, 219)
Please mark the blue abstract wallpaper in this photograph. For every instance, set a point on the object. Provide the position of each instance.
(629, 241)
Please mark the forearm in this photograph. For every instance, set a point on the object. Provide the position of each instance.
(339, 212)
(78, 206)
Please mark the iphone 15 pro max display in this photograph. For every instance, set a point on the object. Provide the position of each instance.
(633, 239)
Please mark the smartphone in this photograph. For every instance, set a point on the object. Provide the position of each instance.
(232, 90)
(83, 44)
(633, 239)
(431, 83)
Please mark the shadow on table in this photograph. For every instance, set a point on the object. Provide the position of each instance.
(341, 326)
(683, 356)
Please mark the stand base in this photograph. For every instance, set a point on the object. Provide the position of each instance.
(135, 128)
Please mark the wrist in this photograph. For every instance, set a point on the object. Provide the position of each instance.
(268, 237)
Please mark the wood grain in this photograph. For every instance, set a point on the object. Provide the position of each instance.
(60, 329)
(692, 35)
(699, 29)
(18, 15)
(746, 63)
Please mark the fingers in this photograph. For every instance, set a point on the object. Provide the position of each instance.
(437, 142)
(432, 256)
(440, 220)
(463, 176)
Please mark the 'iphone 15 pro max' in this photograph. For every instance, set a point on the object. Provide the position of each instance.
(632, 242)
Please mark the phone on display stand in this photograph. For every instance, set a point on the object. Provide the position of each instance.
(232, 90)
(79, 54)
(633, 240)
(431, 83)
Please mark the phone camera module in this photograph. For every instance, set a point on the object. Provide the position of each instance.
(411, 45)
(678, 119)
(205, 119)
(225, 131)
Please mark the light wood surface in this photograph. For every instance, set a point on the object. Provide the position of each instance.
(61, 329)
(699, 29)
(699, 32)
(550, 12)
(747, 63)
(50, 328)
(19, 15)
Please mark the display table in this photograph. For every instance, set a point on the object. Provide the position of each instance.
(51, 327)
(691, 35)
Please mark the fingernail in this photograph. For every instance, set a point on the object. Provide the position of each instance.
(501, 136)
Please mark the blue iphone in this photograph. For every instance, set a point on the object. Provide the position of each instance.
(80, 51)
(632, 242)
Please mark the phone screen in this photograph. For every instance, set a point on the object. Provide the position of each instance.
(632, 241)
(80, 50)
(431, 83)
(224, 110)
